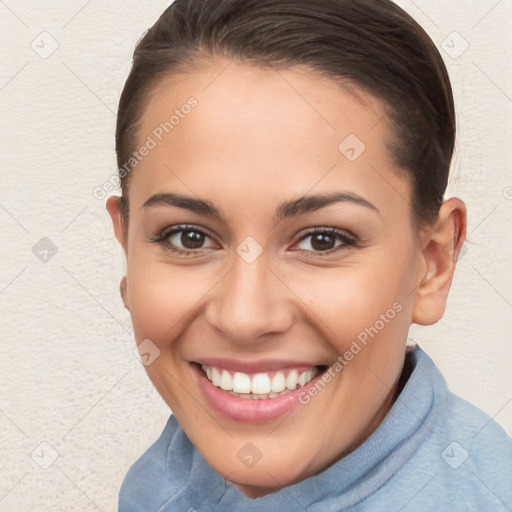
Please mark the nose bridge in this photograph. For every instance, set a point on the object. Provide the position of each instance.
(250, 301)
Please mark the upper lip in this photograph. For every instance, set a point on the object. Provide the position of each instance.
(264, 365)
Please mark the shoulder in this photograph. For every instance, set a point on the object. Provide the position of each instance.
(467, 457)
(479, 447)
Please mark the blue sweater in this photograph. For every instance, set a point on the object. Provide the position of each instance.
(433, 451)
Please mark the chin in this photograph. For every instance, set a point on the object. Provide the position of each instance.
(259, 476)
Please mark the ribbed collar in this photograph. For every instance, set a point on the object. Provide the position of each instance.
(345, 483)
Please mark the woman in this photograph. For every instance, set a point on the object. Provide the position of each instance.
(283, 167)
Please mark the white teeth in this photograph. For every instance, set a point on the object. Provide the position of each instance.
(215, 377)
(292, 380)
(252, 396)
(260, 385)
(241, 383)
(278, 382)
(226, 381)
(305, 377)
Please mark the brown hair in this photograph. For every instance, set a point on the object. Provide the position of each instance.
(369, 44)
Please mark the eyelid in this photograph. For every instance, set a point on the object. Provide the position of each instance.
(306, 232)
(176, 228)
(341, 233)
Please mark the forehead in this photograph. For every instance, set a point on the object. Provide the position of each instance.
(262, 132)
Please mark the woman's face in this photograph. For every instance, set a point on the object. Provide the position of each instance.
(279, 279)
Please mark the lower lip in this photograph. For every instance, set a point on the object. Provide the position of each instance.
(249, 410)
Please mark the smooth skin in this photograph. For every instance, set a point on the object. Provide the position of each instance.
(257, 138)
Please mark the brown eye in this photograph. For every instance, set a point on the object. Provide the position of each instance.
(325, 240)
(183, 239)
(321, 242)
(192, 239)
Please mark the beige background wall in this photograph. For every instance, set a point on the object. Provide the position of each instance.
(76, 407)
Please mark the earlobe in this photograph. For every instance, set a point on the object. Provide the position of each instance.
(439, 258)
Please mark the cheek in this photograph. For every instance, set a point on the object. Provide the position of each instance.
(162, 298)
(360, 301)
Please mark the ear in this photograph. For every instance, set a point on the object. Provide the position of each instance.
(441, 248)
(115, 211)
(123, 289)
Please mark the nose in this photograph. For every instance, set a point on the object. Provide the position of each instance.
(250, 303)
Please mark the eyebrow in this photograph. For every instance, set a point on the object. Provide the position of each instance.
(293, 208)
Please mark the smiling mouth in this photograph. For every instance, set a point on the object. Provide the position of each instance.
(260, 386)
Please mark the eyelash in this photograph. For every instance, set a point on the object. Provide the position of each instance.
(162, 239)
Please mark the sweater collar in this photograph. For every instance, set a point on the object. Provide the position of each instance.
(346, 482)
